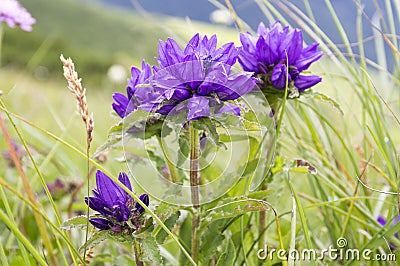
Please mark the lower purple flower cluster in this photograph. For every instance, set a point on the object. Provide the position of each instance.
(114, 205)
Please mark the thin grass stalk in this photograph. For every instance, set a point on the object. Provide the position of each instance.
(3, 258)
(302, 219)
(340, 28)
(293, 225)
(28, 190)
(14, 229)
(11, 216)
(234, 15)
(76, 88)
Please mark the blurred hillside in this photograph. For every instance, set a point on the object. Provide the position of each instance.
(95, 36)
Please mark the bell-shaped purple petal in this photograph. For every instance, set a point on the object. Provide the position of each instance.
(308, 56)
(237, 85)
(293, 45)
(304, 82)
(100, 223)
(248, 42)
(109, 191)
(248, 61)
(228, 108)
(120, 104)
(262, 30)
(99, 205)
(226, 54)
(198, 106)
(121, 212)
(192, 45)
(124, 179)
(143, 198)
(278, 77)
(170, 53)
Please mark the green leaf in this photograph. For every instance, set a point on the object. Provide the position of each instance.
(145, 229)
(95, 239)
(322, 97)
(233, 208)
(278, 166)
(169, 223)
(228, 257)
(208, 126)
(151, 251)
(78, 222)
(211, 239)
(303, 166)
(259, 194)
(185, 234)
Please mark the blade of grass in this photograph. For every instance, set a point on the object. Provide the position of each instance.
(11, 216)
(302, 219)
(293, 226)
(3, 258)
(14, 229)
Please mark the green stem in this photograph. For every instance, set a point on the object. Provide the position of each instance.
(171, 167)
(138, 253)
(194, 188)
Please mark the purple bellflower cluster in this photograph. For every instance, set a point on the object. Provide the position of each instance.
(12, 13)
(115, 206)
(277, 55)
(197, 79)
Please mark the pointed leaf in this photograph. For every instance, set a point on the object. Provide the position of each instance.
(151, 251)
(95, 239)
(79, 222)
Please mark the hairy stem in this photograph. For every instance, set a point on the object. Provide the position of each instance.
(194, 166)
(194, 186)
(138, 253)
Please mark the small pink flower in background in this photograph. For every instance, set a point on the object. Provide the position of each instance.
(13, 14)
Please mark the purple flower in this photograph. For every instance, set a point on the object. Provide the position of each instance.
(277, 55)
(124, 105)
(13, 14)
(112, 202)
(197, 79)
